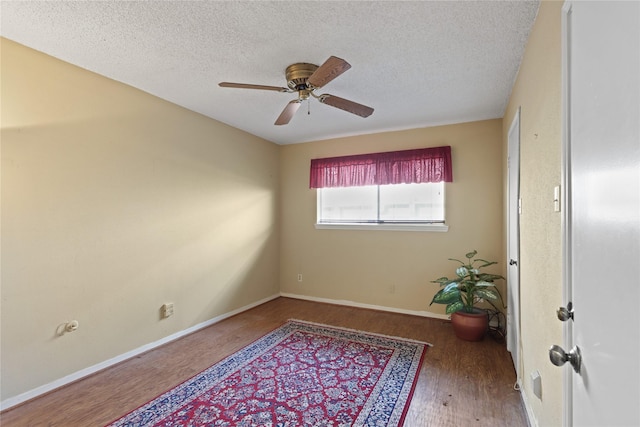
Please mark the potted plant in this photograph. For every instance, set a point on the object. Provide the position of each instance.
(462, 293)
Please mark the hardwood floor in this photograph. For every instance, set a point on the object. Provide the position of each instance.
(460, 383)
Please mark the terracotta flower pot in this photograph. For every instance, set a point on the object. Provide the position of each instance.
(470, 326)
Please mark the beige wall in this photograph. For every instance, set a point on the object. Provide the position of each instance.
(392, 268)
(113, 203)
(537, 90)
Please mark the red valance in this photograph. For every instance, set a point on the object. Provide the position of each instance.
(394, 167)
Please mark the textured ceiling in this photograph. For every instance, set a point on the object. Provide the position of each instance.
(418, 63)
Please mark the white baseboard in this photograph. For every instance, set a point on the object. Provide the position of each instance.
(16, 400)
(531, 419)
(31, 394)
(370, 306)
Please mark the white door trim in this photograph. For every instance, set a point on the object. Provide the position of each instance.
(513, 291)
(567, 380)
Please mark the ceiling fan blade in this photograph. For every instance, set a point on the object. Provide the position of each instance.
(288, 112)
(250, 86)
(328, 71)
(346, 105)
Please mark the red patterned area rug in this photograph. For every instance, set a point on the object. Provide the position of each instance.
(301, 374)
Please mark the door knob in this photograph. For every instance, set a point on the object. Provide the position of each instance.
(513, 262)
(559, 357)
(565, 314)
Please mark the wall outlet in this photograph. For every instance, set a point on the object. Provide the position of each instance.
(299, 277)
(167, 310)
(536, 384)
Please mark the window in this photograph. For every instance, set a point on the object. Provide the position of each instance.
(398, 189)
(382, 204)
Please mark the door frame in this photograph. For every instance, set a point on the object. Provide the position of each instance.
(514, 314)
(566, 224)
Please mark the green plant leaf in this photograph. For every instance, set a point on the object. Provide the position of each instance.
(486, 294)
(450, 286)
(454, 306)
(483, 284)
(487, 277)
(462, 271)
(443, 280)
(453, 259)
(447, 295)
(471, 254)
(486, 263)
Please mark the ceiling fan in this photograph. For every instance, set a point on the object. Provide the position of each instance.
(305, 78)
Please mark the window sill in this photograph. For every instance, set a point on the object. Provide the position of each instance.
(440, 228)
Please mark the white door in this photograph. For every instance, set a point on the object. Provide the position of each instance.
(602, 226)
(513, 250)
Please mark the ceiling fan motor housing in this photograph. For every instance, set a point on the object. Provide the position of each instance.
(297, 75)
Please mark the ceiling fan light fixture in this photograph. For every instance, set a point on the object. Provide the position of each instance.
(303, 94)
